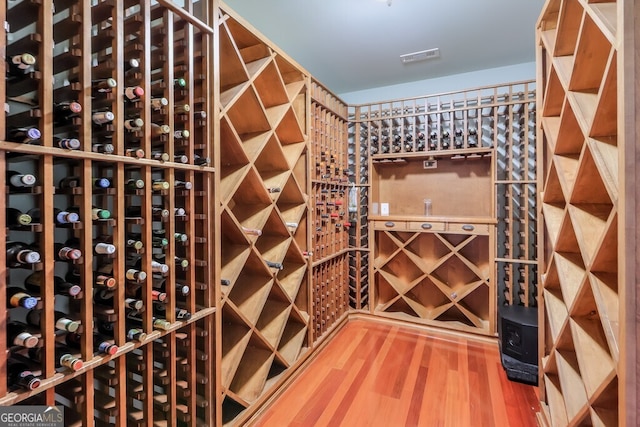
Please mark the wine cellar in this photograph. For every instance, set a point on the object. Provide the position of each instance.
(191, 217)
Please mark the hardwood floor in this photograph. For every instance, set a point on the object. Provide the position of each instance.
(372, 374)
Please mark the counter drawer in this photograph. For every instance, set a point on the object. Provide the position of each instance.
(426, 226)
(468, 228)
(390, 225)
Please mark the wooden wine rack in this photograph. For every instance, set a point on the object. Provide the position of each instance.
(330, 218)
(167, 375)
(264, 185)
(588, 258)
(416, 148)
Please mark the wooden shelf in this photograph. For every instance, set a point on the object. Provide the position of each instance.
(580, 259)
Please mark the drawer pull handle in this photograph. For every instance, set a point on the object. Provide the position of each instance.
(389, 224)
(468, 227)
(426, 226)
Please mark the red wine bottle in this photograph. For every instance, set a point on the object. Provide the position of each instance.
(19, 376)
(64, 112)
(33, 283)
(100, 344)
(63, 358)
(18, 335)
(63, 323)
(17, 297)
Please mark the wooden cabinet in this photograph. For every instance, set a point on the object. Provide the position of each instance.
(587, 168)
(438, 272)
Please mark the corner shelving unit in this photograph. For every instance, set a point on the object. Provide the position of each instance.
(587, 295)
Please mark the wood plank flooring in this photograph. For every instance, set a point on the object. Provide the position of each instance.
(373, 374)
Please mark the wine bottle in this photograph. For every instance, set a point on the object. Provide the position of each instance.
(17, 297)
(160, 283)
(187, 185)
(135, 275)
(100, 345)
(20, 180)
(157, 130)
(100, 280)
(251, 231)
(16, 218)
(160, 310)
(63, 358)
(33, 283)
(136, 152)
(19, 254)
(199, 115)
(18, 335)
(275, 265)
(102, 117)
(134, 244)
(66, 253)
(159, 155)
(134, 184)
(103, 86)
(181, 109)
(179, 212)
(180, 158)
(67, 143)
(102, 248)
(19, 376)
(133, 319)
(158, 103)
(136, 292)
(181, 134)
(136, 212)
(64, 112)
(101, 182)
(105, 297)
(180, 82)
(159, 185)
(19, 65)
(98, 213)
(59, 216)
(133, 93)
(200, 161)
(24, 135)
(180, 237)
(134, 124)
(70, 182)
(34, 317)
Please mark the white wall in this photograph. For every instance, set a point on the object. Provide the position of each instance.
(488, 77)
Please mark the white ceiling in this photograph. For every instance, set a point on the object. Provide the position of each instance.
(351, 45)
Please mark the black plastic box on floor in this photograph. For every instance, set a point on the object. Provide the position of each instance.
(518, 332)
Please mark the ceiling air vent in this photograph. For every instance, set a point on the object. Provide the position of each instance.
(420, 56)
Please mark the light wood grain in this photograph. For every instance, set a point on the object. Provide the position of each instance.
(374, 374)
